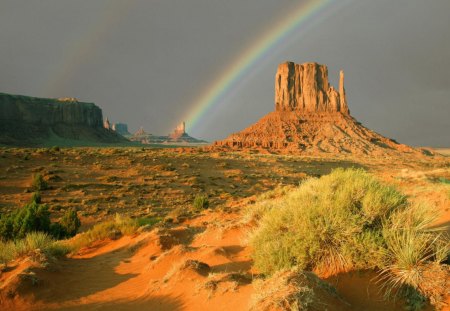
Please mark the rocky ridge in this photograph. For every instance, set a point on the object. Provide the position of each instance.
(26, 120)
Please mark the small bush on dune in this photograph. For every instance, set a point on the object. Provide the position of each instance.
(39, 182)
(411, 243)
(32, 242)
(6, 252)
(32, 217)
(265, 202)
(331, 224)
(35, 217)
(348, 220)
(106, 230)
(201, 202)
(36, 197)
(285, 290)
(147, 221)
(70, 222)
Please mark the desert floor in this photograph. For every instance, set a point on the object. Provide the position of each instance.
(161, 268)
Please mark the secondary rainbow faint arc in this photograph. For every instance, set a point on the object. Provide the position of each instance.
(78, 53)
(249, 58)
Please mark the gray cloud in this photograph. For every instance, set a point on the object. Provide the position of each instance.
(147, 62)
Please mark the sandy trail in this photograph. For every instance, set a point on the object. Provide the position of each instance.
(145, 272)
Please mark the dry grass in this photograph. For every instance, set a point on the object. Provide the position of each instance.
(345, 221)
(112, 229)
(412, 243)
(331, 224)
(285, 290)
(32, 243)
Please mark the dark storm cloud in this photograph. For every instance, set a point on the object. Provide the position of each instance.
(146, 62)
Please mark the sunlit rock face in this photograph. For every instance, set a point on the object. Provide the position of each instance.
(310, 117)
(305, 88)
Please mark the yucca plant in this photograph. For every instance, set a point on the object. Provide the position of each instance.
(411, 243)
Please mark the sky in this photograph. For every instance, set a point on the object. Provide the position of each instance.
(148, 62)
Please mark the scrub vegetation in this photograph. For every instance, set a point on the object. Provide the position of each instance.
(344, 221)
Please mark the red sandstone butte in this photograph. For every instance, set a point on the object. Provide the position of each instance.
(311, 116)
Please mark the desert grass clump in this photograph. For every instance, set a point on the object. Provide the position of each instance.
(348, 220)
(7, 251)
(36, 197)
(67, 227)
(285, 290)
(201, 202)
(329, 225)
(264, 203)
(39, 183)
(112, 229)
(412, 245)
(33, 242)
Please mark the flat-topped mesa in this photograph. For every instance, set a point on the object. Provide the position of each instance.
(305, 88)
(34, 121)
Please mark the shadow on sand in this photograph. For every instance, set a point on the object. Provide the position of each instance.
(155, 303)
(78, 278)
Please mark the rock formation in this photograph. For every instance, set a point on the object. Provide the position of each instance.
(310, 117)
(121, 128)
(140, 132)
(141, 136)
(179, 131)
(106, 124)
(305, 88)
(177, 137)
(28, 120)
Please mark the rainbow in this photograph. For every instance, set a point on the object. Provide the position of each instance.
(221, 88)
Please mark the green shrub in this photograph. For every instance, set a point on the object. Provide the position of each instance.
(329, 224)
(348, 220)
(6, 227)
(201, 202)
(36, 197)
(444, 180)
(70, 222)
(148, 221)
(39, 183)
(57, 231)
(32, 217)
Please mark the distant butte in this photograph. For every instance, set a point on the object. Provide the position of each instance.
(178, 136)
(310, 117)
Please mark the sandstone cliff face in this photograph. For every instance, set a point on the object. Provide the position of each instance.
(311, 117)
(49, 111)
(25, 119)
(305, 88)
